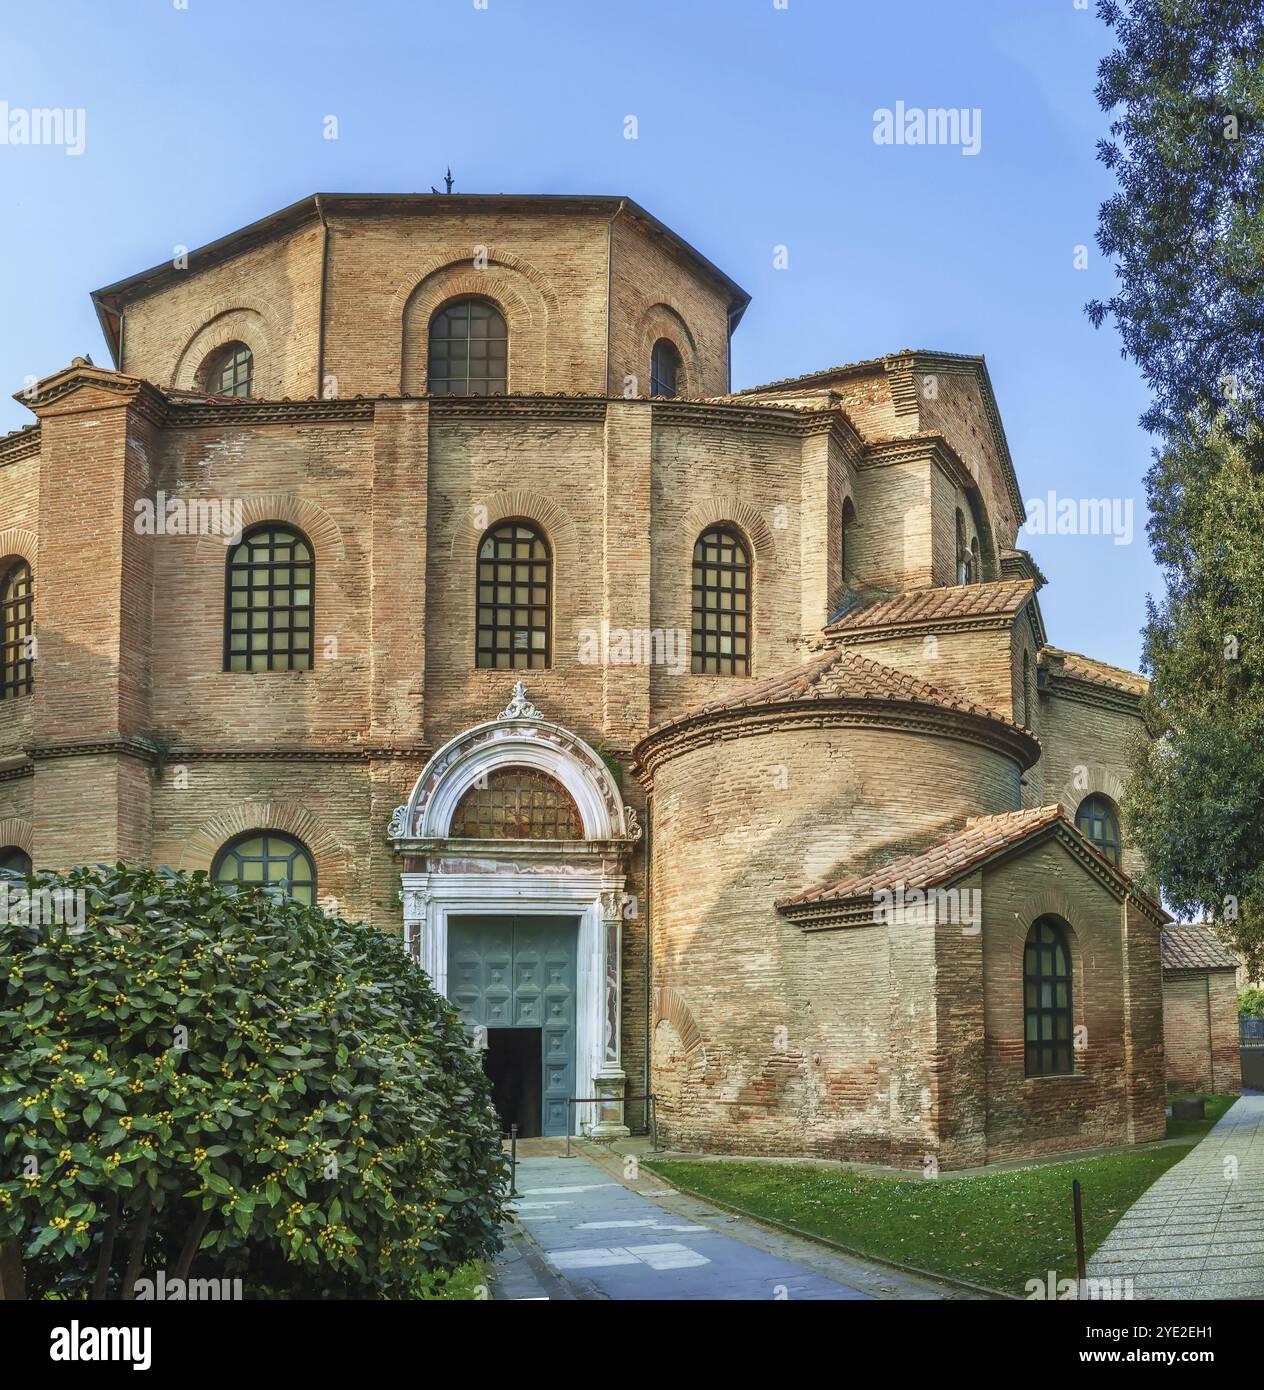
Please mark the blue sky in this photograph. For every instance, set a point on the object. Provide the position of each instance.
(756, 128)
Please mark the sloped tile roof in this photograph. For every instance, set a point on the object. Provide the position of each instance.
(931, 605)
(1088, 669)
(982, 837)
(836, 675)
(1195, 948)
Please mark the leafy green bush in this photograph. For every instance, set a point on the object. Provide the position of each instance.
(232, 1076)
(1251, 1003)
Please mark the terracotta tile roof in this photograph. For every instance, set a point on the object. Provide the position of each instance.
(1085, 668)
(932, 605)
(982, 837)
(836, 675)
(1195, 948)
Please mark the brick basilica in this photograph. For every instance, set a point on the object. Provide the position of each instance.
(415, 555)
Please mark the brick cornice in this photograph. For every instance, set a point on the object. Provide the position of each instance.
(54, 395)
(712, 726)
(1086, 692)
(20, 444)
(155, 752)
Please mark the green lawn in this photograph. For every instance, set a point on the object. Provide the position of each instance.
(998, 1230)
(1195, 1129)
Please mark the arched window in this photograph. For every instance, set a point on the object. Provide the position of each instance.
(514, 582)
(963, 554)
(1098, 821)
(14, 860)
(847, 534)
(517, 803)
(267, 859)
(229, 371)
(469, 350)
(666, 369)
(976, 563)
(721, 604)
(268, 602)
(1047, 1000)
(17, 632)
(1024, 694)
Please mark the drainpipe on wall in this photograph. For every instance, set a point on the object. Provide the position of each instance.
(320, 327)
(649, 950)
(610, 285)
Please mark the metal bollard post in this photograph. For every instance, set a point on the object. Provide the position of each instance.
(513, 1160)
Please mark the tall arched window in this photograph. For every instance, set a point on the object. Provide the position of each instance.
(514, 583)
(268, 859)
(14, 860)
(847, 534)
(976, 562)
(1024, 694)
(269, 601)
(721, 604)
(229, 371)
(666, 369)
(17, 632)
(517, 803)
(1098, 821)
(469, 350)
(1047, 1017)
(963, 554)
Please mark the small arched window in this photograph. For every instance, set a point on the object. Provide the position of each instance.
(268, 859)
(666, 369)
(15, 860)
(1098, 821)
(721, 604)
(514, 583)
(846, 535)
(229, 371)
(17, 632)
(469, 350)
(268, 604)
(1047, 1017)
(517, 803)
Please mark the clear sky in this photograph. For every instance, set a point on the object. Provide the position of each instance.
(755, 131)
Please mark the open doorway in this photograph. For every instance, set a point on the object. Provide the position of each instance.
(514, 1065)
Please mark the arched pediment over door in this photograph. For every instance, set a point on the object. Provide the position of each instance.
(455, 876)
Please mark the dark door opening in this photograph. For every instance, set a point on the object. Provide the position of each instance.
(513, 1064)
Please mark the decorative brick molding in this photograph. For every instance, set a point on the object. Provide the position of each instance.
(716, 511)
(16, 831)
(264, 813)
(286, 507)
(1102, 781)
(17, 543)
(670, 1007)
(513, 504)
(231, 323)
(519, 290)
(664, 321)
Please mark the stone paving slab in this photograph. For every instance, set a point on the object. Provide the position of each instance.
(1199, 1231)
(588, 1224)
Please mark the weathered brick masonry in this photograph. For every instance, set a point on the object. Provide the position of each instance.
(886, 706)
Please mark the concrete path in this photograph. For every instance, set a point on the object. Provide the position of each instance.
(1199, 1231)
(582, 1223)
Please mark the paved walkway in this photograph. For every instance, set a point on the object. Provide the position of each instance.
(1199, 1231)
(585, 1233)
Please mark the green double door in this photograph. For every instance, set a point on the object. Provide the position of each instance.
(515, 978)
